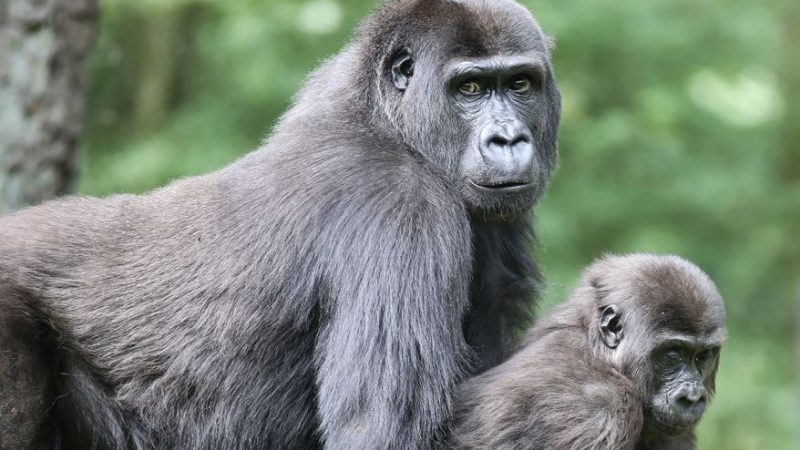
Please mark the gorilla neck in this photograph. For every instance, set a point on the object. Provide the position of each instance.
(654, 439)
(504, 285)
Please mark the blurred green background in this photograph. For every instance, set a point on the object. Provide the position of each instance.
(681, 134)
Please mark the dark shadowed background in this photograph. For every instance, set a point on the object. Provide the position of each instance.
(681, 134)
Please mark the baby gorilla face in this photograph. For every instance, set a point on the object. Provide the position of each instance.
(683, 374)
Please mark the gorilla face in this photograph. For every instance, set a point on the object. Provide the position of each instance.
(479, 101)
(682, 370)
(500, 163)
(673, 366)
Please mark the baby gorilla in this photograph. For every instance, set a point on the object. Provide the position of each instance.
(627, 362)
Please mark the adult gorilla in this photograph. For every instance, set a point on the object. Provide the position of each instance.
(330, 288)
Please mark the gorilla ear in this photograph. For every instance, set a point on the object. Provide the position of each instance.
(402, 69)
(611, 326)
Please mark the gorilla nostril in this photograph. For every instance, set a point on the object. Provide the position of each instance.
(502, 141)
(685, 402)
(694, 408)
(692, 399)
(498, 141)
(520, 140)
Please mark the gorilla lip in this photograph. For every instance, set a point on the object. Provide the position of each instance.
(508, 186)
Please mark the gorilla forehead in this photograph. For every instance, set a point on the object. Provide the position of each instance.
(469, 27)
(481, 28)
(679, 296)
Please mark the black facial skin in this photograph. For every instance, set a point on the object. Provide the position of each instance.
(682, 368)
(497, 96)
(500, 98)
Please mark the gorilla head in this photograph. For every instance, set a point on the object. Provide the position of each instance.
(661, 321)
(469, 85)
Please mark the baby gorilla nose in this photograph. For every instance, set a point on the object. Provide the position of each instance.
(690, 399)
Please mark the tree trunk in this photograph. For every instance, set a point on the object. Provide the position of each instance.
(43, 49)
(790, 78)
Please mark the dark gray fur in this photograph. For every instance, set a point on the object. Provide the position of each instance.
(329, 289)
(566, 389)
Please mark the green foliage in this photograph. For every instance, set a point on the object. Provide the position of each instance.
(679, 136)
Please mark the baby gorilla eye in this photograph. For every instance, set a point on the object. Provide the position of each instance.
(702, 358)
(407, 67)
(671, 357)
(521, 84)
(470, 87)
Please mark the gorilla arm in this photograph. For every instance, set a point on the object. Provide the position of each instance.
(389, 353)
(548, 401)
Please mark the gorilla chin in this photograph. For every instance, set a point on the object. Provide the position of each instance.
(674, 420)
(500, 201)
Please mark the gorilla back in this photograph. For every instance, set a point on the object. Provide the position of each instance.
(329, 289)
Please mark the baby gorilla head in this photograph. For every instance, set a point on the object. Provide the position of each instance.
(660, 321)
(628, 361)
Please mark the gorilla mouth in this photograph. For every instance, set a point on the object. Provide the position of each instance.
(502, 186)
(674, 423)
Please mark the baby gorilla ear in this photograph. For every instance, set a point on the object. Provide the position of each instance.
(402, 68)
(611, 326)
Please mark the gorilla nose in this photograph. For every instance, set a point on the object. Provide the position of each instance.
(503, 140)
(691, 397)
(507, 149)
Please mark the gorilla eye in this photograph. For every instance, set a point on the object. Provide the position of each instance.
(521, 85)
(673, 354)
(407, 67)
(470, 88)
(705, 356)
(614, 325)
